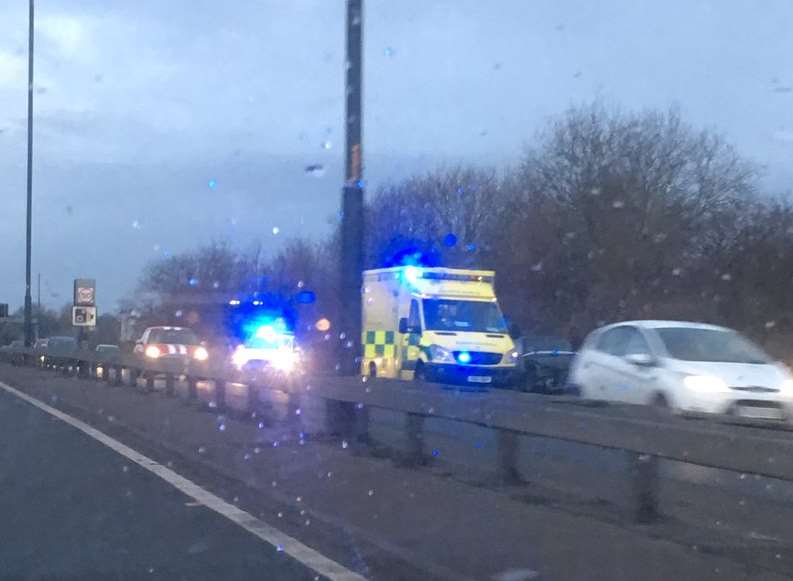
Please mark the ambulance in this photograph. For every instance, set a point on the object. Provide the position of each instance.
(435, 324)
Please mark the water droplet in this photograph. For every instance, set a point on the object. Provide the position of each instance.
(389, 51)
(300, 284)
(260, 425)
(212, 184)
(192, 281)
(275, 444)
(726, 276)
(297, 412)
(371, 492)
(201, 450)
(280, 548)
(327, 145)
(618, 204)
(330, 474)
(299, 499)
(256, 450)
(359, 406)
(308, 522)
(216, 284)
(344, 444)
(136, 224)
(770, 324)
(315, 170)
(178, 313)
(235, 500)
(364, 378)
(125, 468)
(222, 427)
(151, 569)
(246, 456)
(676, 272)
(276, 230)
(537, 267)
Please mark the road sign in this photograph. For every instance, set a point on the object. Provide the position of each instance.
(84, 316)
(84, 292)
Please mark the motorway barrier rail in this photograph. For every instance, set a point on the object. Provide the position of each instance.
(644, 434)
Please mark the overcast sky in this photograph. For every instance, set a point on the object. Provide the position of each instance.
(164, 124)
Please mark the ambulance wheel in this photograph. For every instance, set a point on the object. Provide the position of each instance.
(372, 369)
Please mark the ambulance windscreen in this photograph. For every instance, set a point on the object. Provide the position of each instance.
(463, 316)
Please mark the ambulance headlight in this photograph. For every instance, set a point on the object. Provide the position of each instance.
(439, 354)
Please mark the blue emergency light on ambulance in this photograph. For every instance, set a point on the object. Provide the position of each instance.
(435, 324)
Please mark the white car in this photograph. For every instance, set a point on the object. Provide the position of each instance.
(688, 367)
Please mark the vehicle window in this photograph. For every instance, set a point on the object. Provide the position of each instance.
(613, 341)
(414, 320)
(454, 315)
(635, 343)
(173, 337)
(710, 345)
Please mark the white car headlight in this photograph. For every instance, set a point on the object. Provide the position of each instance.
(200, 354)
(706, 383)
(284, 360)
(439, 354)
(786, 388)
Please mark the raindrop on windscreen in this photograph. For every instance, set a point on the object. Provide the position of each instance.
(276, 230)
(344, 444)
(316, 170)
(770, 324)
(618, 204)
(136, 224)
(371, 492)
(201, 450)
(327, 144)
(389, 51)
(280, 515)
(726, 276)
(212, 184)
(676, 272)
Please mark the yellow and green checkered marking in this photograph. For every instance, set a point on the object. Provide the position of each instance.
(379, 344)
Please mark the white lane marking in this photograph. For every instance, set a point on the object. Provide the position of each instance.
(289, 545)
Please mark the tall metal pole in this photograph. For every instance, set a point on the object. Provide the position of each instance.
(352, 197)
(28, 301)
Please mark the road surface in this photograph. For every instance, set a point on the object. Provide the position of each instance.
(75, 509)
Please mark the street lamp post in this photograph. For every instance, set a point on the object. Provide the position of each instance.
(352, 220)
(28, 300)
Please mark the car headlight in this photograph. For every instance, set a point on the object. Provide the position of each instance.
(512, 356)
(439, 354)
(240, 357)
(200, 354)
(285, 361)
(705, 383)
(786, 388)
(152, 352)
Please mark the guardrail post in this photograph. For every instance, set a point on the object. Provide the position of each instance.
(169, 388)
(361, 427)
(220, 394)
(339, 418)
(414, 439)
(507, 450)
(192, 388)
(644, 480)
(252, 401)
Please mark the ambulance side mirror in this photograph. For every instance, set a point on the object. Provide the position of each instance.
(403, 325)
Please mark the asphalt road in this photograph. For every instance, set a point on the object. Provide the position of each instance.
(74, 509)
